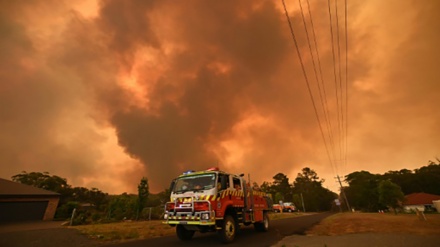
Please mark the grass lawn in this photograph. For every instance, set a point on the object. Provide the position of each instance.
(347, 223)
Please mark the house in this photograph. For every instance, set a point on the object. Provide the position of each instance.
(420, 201)
(21, 202)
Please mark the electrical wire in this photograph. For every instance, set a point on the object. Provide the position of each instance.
(324, 106)
(322, 78)
(341, 126)
(341, 97)
(346, 85)
(306, 78)
(335, 76)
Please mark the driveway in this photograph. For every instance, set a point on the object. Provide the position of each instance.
(41, 234)
(27, 226)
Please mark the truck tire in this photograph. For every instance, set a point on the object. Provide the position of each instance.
(183, 233)
(229, 229)
(264, 225)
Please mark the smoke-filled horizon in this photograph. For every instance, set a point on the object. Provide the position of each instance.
(104, 93)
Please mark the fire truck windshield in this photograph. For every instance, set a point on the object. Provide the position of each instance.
(199, 182)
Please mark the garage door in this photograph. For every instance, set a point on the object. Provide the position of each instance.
(22, 211)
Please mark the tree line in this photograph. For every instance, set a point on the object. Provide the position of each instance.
(372, 192)
(306, 192)
(93, 205)
(365, 191)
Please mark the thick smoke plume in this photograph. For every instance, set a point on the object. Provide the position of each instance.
(105, 92)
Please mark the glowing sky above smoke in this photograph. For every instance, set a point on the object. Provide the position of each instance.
(105, 92)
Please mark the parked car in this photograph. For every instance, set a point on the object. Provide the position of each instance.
(285, 207)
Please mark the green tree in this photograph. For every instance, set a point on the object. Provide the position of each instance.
(316, 197)
(267, 188)
(362, 191)
(425, 179)
(97, 198)
(405, 178)
(46, 181)
(42, 180)
(143, 193)
(122, 206)
(390, 194)
(71, 197)
(428, 178)
(282, 187)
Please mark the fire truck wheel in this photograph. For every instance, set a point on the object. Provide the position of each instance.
(184, 234)
(227, 233)
(264, 225)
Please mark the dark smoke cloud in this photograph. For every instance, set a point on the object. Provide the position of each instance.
(196, 84)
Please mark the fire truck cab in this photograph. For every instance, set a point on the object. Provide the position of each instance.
(214, 200)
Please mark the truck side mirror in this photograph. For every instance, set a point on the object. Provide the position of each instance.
(172, 185)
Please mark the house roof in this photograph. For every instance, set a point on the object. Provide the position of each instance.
(420, 199)
(10, 188)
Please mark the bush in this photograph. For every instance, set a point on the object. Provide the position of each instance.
(65, 211)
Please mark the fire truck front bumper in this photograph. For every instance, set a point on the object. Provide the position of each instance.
(205, 218)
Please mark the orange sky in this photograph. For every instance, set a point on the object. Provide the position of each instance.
(105, 92)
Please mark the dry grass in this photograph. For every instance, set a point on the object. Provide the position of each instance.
(277, 216)
(347, 223)
(126, 230)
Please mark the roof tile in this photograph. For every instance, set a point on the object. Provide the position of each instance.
(420, 199)
(10, 188)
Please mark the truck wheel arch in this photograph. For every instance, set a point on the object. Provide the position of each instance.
(228, 229)
(263, 226)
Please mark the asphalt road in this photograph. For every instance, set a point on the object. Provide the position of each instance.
(52, 234)
(246, 237)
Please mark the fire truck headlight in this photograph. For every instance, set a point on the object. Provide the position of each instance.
(205, 216)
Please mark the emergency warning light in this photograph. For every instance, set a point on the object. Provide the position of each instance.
(188, 172)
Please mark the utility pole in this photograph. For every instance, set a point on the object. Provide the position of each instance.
(343, 193)
(302, 200)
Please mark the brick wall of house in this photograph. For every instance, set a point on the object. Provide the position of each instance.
(51, 208)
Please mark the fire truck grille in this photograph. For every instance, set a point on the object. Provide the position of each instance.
(183, 210)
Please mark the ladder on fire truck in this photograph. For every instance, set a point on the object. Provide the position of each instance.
(248, 201)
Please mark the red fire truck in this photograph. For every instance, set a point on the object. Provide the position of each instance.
(213, 200)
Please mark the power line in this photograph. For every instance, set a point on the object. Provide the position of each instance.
(335, 78)
(305, 77)
(339, 90)
(324, 106)
(322, 79)
(346, 84)
(340, 81)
